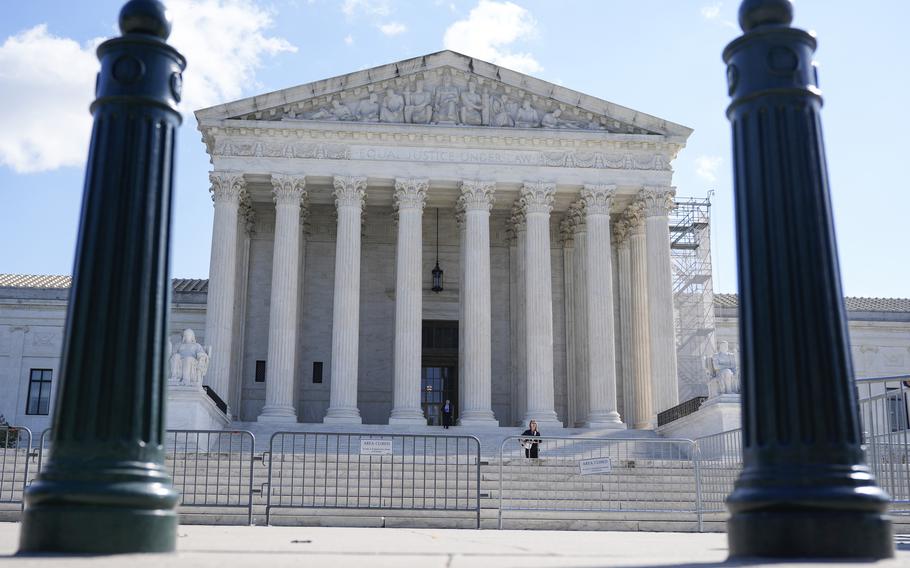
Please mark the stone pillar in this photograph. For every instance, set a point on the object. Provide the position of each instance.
(410, 197)
(288, 192)
(349, 195)
(476, 200)
(567, 234)
(537, 201)
(462, 239)
(580, 321)
(228, 189)
(658, 201)
(624, 289)
(645, 417)
(601, 381)
(519, 339)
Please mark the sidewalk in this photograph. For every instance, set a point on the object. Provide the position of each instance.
(277, 547)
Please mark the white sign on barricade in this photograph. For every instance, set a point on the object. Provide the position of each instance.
(594, 466)
(376, 447)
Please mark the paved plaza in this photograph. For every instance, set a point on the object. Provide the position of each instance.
(214, 546)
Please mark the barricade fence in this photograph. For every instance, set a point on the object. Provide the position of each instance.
(599, 474)
(373, 471)
(720, 460)
(212, 468)
(15, 449)
(884, 405)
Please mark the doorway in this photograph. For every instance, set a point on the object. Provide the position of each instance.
(439, 369)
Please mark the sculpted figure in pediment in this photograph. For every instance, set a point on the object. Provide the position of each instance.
(392, 109)
(368, 109)
(553, 119)
(445, 103)
(527, 117)
(471, 106)
(500, 114)
(417, 109)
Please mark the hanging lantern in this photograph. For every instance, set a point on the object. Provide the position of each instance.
(437, 272)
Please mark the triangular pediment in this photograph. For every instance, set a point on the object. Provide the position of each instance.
(444, 88)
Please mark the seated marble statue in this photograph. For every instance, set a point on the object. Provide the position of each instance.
(190, 361)
(500, 114)
(527, 117)
(471, 106)
(724, 372)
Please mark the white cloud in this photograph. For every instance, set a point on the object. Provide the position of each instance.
(348, 39)
(711, 12)
(47, 82)
(393, 28)
(378, 8)
(706, 167)
(489, 28)
(46, 86)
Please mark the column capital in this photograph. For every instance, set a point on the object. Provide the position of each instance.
(634, 215)
(657, 200)
(227, 187)
(288, 189)
(350, 191)
(621, 228)
(537, 197)
(459, 216)
(574, 221)
(477, 195)
(598, 198)
(411, 193)
(516, 222)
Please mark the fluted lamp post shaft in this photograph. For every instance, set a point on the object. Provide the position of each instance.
(804, 491)
(105, 489)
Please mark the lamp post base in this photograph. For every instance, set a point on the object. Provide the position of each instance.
(819, 533)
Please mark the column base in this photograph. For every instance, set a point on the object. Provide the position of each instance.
(408, 417)
(546, 419)
(821, 534)
(481, 418)
(277, 414)
(343, 416)
(610, 421)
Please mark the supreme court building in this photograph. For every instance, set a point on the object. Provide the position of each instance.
(545, 209)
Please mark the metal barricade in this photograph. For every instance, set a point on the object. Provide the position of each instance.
(720, 461)
(15, 447)
(44, 452)
(212, 468)
(884, 403)
(599, 475)
(373, 471)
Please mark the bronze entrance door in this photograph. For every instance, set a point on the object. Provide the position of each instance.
(439, 372)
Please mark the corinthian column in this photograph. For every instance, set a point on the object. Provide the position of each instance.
(228, 188)
(580, 321)
(476, 200)
(410, 196)
(517, 306)
(645, 417)
(658, 201)
(537, 201)
(624, 268)
(288, 191)
(601, 351)
(349, 195)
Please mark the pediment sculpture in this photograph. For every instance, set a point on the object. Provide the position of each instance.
(189, 361)
(454, 99)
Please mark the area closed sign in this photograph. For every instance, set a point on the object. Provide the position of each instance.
(376, 447)
(595, 465)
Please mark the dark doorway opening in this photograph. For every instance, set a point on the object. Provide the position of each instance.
(439, 369)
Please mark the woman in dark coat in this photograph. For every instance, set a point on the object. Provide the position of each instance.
(530, 445)
(447, 414)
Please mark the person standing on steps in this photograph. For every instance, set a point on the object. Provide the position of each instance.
(531, 446)
(447, 414)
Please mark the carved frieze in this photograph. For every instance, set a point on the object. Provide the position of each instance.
(449, 97)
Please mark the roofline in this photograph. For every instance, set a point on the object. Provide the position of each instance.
(435, 60)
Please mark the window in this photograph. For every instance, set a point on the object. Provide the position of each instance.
(317, 371)
(39, 391)
(260, 371)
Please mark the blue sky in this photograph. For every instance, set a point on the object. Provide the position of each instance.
(661, 57)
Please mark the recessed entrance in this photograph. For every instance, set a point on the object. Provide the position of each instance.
(439, 369)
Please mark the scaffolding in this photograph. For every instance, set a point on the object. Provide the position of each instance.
(693, 292)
